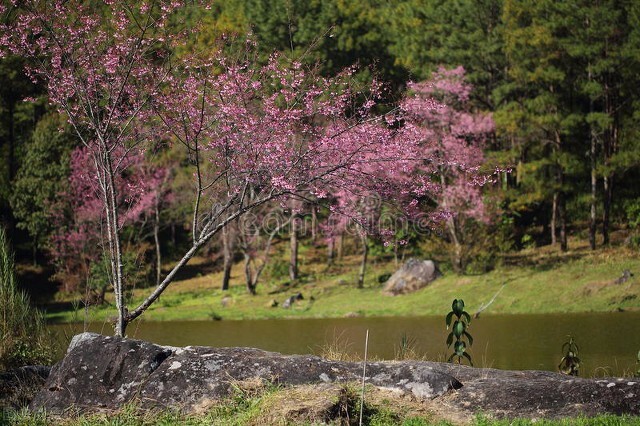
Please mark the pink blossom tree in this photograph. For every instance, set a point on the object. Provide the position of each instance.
(78, 241)
(277, 132)
(438, 114)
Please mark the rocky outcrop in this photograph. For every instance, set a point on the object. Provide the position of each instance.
(412, 276)
(108, 372)
(539, 394)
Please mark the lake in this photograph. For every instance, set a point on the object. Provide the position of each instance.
(608, 342)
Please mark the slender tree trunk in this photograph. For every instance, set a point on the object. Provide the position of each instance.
(606, 214)
(293, 243)
(331, 250)
(396, 254)
(227, 254)
(594, 194)
(610, 149)
(34, 244)
(562, 210)
(456, 254)
(554, 219)
(564, 245)
(156, 240)
(248, 274)
(594, 181)
(115, 250)
(11, 166)
(363, 262)
(314, 223)
(340, 248)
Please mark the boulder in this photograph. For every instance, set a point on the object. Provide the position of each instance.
(288, 303)
(538, 394)
(100, 372)
(108, 372)
(413, 275)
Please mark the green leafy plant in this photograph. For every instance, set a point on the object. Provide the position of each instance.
(570, 362)
(459, 331)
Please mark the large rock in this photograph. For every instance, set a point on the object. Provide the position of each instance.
(538, 394)
(108, 372)
(413, 275)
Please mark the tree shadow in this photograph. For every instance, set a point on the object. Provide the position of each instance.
(545, 261)
(192, 271)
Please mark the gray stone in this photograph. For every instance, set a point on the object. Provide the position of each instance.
(539, 394)
(413, 275)
(107, 372)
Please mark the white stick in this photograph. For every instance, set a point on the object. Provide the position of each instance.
(364, 374)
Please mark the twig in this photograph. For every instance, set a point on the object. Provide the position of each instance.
(364, 374)
(486, 305)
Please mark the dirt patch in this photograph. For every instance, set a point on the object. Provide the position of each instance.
(340, 405)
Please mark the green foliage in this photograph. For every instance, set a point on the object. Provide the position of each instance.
(459, 331)
(632, 210)
(137, 271)
(24, 338)
(570, 362)
(278, 269)
(43, 175)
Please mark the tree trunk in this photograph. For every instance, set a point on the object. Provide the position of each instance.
(293, 243)
(248, 274)
(554, 219)
(594, 182)
(562, 210)
(606, 214)
(105, 168)
(331, 250)
(156, 240)
(314, 224)
(11, 167)
(363, 263)
(456, 255)
(611, 141)
(564, 246)
(227, 254)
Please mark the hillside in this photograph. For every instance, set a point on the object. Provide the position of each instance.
(540, 280)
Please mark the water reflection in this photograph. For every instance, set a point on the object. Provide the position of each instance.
(608, 342)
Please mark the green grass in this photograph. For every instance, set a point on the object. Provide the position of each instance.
(537, 281)
(234, 413)
(602, 420)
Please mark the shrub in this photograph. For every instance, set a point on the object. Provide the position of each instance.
(24, 337)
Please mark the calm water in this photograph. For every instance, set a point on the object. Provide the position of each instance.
(609, 342)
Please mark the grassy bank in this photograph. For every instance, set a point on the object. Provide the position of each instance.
(542, 280)
(305, 405)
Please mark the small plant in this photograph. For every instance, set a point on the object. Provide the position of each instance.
(570, 363)
(406, 348)
(459, 331)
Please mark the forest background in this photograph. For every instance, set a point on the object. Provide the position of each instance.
(560, 80)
